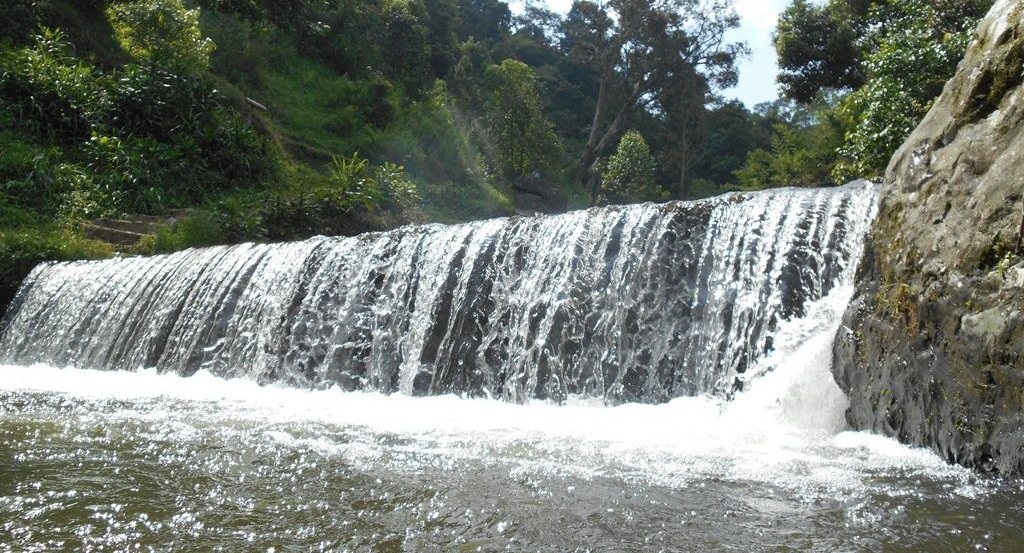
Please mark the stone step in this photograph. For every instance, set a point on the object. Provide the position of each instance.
(114, 236)
(128, 230)
(155, 219)
(135, 224)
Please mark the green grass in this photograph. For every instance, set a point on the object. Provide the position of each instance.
(26, 239)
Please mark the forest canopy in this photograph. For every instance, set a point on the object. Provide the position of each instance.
(274, 120)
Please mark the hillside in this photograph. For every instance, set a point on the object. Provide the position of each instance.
(253, 120)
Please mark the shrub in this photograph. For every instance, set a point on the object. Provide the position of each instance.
(162, 33)
(45, 90)
(198, 230)
(354, 182)
(629, 174)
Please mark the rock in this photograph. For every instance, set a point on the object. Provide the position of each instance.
(533, 196)
(932, 348)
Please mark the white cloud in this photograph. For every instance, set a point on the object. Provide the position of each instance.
(760, 14)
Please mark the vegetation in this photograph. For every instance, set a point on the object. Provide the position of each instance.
(867, 71)
(629, 174)
(280, 120)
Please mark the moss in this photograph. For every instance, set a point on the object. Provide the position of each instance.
(1002, 76)
(994, 255)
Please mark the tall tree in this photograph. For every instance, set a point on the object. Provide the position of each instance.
(515, 119)
(484, 20)
(637, 47)
(818, 48)
(682, 97)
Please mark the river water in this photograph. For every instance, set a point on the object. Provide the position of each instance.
(648, 378)
(140, 461)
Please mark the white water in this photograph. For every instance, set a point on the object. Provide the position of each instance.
(637, 303)
(786, 430)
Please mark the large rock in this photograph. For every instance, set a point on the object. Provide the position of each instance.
(932, 348)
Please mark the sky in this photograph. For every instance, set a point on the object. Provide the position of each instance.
(757, 72)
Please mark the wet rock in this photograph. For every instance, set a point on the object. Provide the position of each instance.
(932, 348)
(532, 195)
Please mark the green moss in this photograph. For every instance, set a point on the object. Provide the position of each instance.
(1004, 74)
(994, 255)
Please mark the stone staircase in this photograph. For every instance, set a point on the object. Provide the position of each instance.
(128, 231)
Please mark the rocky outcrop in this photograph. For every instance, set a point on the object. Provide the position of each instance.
(532, 195)
(932, 348)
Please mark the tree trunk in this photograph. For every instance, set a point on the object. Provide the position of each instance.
(589, 152)
(681, 185)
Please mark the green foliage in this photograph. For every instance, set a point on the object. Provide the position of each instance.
(629, 174)
(46, 90)
(141, 139)
(891, 58)
(817, 48)
(468, 78)
(318, 111)
(161, 32)
(732, 132)
(525, 141)
(801, 152)
(295, 16)
(19, 19)
(40, 241)
(911, 61)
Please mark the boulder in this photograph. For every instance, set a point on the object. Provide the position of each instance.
(932, 347)
(532, 196)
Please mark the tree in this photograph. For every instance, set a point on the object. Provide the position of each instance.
(683, 114)
(406, 45)
(915, 48)
(442, 22)
(801, 150)
(818, 48)
(525, 141)
(730, 133)
(468, 75)
(484, 20)
(296, 16)
(630, 172)
(637, 47)
(162, 32)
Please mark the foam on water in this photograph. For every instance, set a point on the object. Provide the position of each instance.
(785, 430)
(641, 303)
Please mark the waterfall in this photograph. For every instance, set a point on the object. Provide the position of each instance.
(636, 303)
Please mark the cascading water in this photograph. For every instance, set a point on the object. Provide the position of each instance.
(256, 410)
(638, 303)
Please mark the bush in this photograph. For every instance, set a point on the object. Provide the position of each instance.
(355, 183)
(45, 90)
(199, 230)
(629, 174)
(161, 32)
